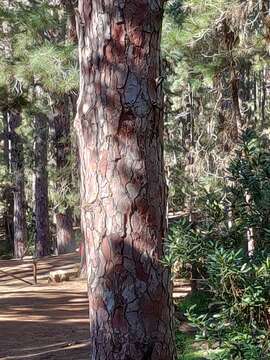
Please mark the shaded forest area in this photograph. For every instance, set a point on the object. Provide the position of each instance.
(81, 109)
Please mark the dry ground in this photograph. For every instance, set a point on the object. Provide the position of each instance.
(44, 321)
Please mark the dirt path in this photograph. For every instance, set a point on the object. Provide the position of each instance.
(42, 321)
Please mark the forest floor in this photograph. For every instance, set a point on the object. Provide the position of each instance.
(43, 321)
(48, 320)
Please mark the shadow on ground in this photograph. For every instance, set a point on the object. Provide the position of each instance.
(44, 321)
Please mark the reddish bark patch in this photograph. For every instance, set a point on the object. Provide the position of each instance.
(119, 321)
(106, 249)
(118, 35)
(149, 310)
(96, 303)
(142, 206)
(153, 216)
(127, 125)
(109, 53)
(140, 273)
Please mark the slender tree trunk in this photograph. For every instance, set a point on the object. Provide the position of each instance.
(254, 114)
(263, 98)
(8, 192)
(250, 245)
(236, 111)
(17, 169)
(62, 142)
(6, 141)
(64, 232)
(64, 219)
(265, 7)
(8, 216)
(120, 133)
(70, 6)
(41, 186)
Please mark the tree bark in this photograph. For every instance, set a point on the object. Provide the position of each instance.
(70, 6)
(123, 199)
(6, 141)
(64, 232)
(8, 216)
(41, 186)
(236, 111)
(8, 191)
(62, 143)
(17, 170)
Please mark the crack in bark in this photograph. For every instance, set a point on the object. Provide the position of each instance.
(119, 126)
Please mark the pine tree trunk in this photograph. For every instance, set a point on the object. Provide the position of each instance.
(41, 186)
(70, 6)
(62, 144)
(8, 216)
(236, 111)
(6, 141)
(254, 113)
(264, 98)
(17, 169)
(64, 232)
(123, 199)
(8, 192)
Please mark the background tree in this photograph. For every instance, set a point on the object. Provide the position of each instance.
(17, 171)
(217, 136)
(42, 30)
(41, 185)
(62, 145)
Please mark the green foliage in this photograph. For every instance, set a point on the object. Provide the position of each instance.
(214, 243)
(200, 299)
(56, 71)
(239, 315)
(37, 16)
(186, 246)
(64, 192)
(226, 210)
(40, 53)
(175, 9)
(183, 342)
(250, 192)
(38, 68)
(208, 45)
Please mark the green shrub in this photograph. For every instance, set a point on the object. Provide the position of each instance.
(214, 244)
(238, 317)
